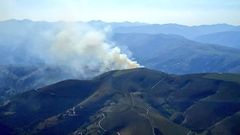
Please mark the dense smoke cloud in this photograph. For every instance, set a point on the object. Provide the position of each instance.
(36, 54)
(86, 51)
(74, 50)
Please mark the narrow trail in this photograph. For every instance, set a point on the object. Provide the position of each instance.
(149, 107)
(147, 112)
(148, 117)
(156, 84)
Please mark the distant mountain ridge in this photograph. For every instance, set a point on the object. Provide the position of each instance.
(190, 32)
(176, 54)
(227, 38)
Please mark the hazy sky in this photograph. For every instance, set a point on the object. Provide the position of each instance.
(189, 12)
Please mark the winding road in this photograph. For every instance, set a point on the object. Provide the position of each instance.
(99, 122)
(147, 109)
(100, 126)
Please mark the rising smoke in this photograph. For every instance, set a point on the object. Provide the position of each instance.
(76, 50)
(36, 54)
(85, 51)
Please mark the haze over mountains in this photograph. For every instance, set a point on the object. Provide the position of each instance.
(170, 48)
(227, 38)
(176, 54)
(42, 34)
(119, 67)
(57, 78)
(190, 32)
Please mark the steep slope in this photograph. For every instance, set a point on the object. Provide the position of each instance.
(136, 101)
(175, 54)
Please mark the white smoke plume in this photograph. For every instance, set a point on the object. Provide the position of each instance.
(35, 54)
(86, 52)
(67, 50)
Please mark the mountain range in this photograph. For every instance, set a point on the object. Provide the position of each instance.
(135, 101)
(171, 48)
(176, 54)
(188, 82)
(227, 38)
(203, 51)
